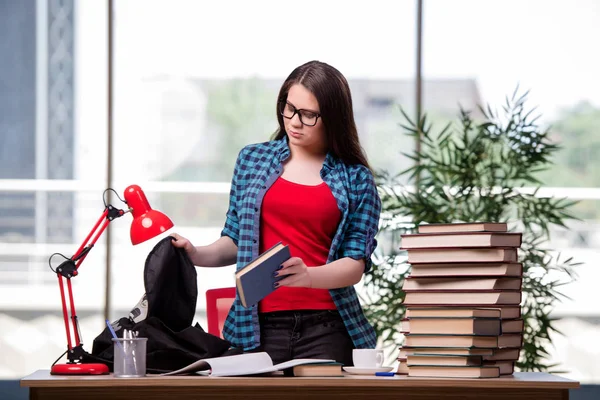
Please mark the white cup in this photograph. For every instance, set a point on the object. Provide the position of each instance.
(367, 358)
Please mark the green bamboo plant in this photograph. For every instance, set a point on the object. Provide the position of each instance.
(475, 169)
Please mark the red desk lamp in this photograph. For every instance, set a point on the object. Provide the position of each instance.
(147, 223)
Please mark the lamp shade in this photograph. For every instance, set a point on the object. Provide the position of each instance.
(147, 223)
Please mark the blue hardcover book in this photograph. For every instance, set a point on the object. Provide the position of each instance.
(255, 280)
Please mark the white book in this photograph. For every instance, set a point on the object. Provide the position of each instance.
(242, 364)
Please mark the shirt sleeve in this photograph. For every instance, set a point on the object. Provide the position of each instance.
(232, 226)
(363, 220)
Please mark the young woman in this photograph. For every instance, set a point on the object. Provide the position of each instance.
(311, 188)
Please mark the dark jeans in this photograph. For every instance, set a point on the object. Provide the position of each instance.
(288, 335)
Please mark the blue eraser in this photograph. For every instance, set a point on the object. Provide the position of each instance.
(384, 374)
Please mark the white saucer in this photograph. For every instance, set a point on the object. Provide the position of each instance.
(366, 371)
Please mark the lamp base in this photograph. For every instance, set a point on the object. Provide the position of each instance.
(79, 369)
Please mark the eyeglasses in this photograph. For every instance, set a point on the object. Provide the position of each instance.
(308, 118)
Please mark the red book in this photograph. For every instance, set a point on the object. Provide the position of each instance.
(497, 255)
(464, 298)
(463, 227)
(461, 284)
(466, 270)
(456, 239)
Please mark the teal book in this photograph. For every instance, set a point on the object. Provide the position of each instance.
(255, 281)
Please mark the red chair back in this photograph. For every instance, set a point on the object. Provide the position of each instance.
(218, 303)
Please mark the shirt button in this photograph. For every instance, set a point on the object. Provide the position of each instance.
(255, 208)
(277, 171)
(264, 187)
(253, 240)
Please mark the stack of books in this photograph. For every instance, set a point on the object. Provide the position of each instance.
(463, 296)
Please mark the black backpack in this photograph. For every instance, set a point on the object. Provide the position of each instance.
(164, 316)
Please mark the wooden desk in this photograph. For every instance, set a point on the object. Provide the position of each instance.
(528, 385)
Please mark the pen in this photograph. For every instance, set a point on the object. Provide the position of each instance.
(114, 335)
(384, 374)
(129, 358)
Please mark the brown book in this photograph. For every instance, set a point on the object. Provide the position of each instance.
(506, 354)
(402, 367)
(427, 359)
(510, 340)
(498, 255)
(449, 312)
(405, 351)
(461, 284)
(506, 312)
(404, 325)
(454, 326)
(463, 227)
(512, 325)
(454, 372)
(505, 367)
(456, 298)
(462, 239)
(466, 269)
(324, 369)
(445, 341)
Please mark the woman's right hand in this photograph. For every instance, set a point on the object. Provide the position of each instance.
(218, 254)
(183, 243)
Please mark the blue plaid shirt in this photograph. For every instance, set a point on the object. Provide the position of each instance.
(353, 186)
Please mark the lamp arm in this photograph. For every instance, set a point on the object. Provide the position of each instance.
(68, 269)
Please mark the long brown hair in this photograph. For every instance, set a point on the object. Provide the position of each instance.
(331, 89)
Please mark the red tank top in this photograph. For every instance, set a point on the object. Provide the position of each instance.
(305, 218)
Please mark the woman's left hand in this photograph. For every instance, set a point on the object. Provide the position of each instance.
(295, 272)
